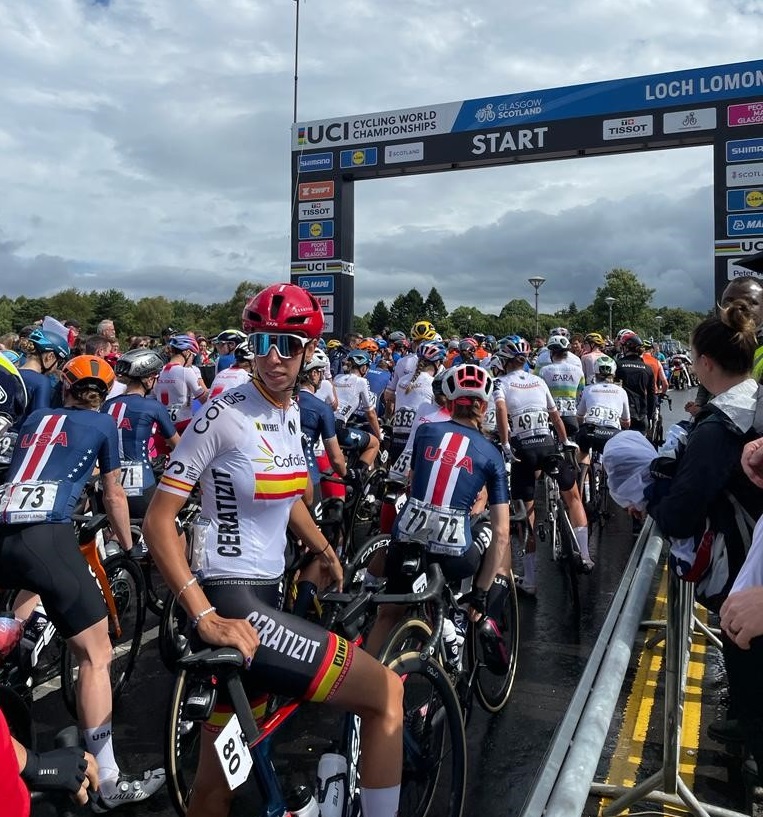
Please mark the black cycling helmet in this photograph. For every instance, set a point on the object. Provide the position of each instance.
(138, 363)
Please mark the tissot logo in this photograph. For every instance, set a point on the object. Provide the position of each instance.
(315, 134)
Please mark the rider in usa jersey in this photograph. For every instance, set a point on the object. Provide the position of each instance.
(451, 463)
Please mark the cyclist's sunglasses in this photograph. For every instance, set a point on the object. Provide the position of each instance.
(286, 345)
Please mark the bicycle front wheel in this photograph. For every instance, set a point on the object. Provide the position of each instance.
(365, 517)
(182, 738)
(494, 687)
(126, 584)
(410, 634)
(434, 743)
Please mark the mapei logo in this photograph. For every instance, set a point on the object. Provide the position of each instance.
(316, 134)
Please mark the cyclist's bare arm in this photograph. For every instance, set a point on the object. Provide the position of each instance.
(556, 421)
(115, 505)
(335, 455)
(498, 555)
(373, 421)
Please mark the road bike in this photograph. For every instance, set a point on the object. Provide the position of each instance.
(434, 746)
(554, 526)
(419, 630)
(656, 431)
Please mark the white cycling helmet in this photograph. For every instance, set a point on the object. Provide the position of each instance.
(559, 330)
(319, 361)
(467, 380)
(561, 342)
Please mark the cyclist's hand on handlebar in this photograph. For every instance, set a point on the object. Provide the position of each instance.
(90, 781)
(477, 601)
(752, 461)
(508, 454)
(229, 632)
(333, 566)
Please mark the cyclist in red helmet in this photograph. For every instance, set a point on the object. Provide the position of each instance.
(245, 449)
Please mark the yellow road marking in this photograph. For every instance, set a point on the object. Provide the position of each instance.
(639, 710)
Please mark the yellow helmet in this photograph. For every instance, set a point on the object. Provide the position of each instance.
(423, 330)
(333, 344)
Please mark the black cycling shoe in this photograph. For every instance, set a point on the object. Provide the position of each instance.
(496, 656)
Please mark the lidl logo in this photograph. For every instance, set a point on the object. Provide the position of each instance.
(749, 199)
(316, 229)
(362, 157)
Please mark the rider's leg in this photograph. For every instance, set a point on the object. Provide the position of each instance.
(92, 650)
(579, 520)
(371, 450)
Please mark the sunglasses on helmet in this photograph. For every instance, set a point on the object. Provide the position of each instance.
(286, 345)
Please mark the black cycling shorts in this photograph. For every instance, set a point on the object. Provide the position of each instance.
(295, 658)
(454, 568)
(535, 458)
(591, 436)
(570, 424)
(355, 438)
(45, 558)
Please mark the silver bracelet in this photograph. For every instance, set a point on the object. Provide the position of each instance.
(195, 622)
(185, 587)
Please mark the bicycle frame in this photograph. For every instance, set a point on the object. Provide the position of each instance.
(90, 551)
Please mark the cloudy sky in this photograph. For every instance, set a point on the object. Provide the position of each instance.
(144, 144)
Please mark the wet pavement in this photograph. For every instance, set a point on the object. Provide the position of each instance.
(505, 751)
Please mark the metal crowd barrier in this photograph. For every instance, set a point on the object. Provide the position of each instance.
(567, 776)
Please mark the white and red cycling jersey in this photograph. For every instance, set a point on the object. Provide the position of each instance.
(176, 388)
(247, 456)
(227, 379)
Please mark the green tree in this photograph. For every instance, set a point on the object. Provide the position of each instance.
(406, 310)
(466, 320)
(28, 310)
(7, 315)
(72, 304)
(631, 308)
(152, 315)
(228, 315)
(678, 323)
(113, 304)
(434, 308)
(360, 324)
(378, 317)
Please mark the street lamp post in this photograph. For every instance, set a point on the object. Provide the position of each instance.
(609, 302)
(537, 282)
(659, 319)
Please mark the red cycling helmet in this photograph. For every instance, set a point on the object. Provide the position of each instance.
(283, 308)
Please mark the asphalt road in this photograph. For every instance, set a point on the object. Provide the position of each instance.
(505, 751)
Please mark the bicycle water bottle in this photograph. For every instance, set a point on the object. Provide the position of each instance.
(332, 784)
(301, 803)
(34, 627)
(452, 641)
(11, 630)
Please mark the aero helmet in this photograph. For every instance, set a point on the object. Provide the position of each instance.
(467, 380)
(284, 308)
(88, 373)
(138, 363)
